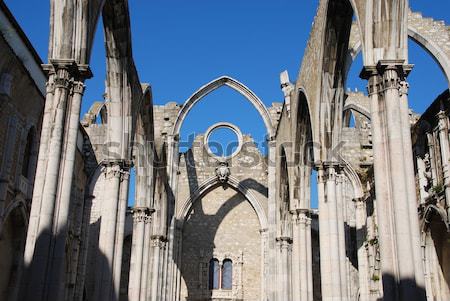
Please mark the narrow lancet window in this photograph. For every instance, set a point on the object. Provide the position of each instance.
(227, 274)
(214, 271)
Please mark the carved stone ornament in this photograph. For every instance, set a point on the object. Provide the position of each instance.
(223, 172)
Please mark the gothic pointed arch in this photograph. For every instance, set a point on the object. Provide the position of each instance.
(423, 34)
(336, 36)
(357, 108)
(303, 145)
(284, 199)
(214, 85)
(214, 182)
(351, 174)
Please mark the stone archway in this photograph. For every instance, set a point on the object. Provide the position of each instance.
(214, 85)
(423, 34)
(211, 226)
(13, 229)
(236, 185)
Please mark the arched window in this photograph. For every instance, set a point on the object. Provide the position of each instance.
(27, 154)
(227, 274)
(214, 271)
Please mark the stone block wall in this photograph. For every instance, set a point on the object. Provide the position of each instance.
(222, 225)
(21, 109)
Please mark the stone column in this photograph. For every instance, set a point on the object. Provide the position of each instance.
(325, 265)
(363, 269)
(264, 263)
(394, 181)
(157, 245)
(330, 238)
(284, 277)
(309, 259)
(445, 154)
(108, 257)
(341, 218)
(82, 267)
(38, 243)
(384, 210)
(145, 279)
(33, 224)
(333, 232)
(164, 269)
(411, 187)
(60, 227)
(138, 267)
(296, 260)
(120, 231)
(171, 255)
(45, 247)
(272, 214)
(179, 242)
(301, 249)
(303, 254)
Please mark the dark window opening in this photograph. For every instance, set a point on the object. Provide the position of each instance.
(214, 271)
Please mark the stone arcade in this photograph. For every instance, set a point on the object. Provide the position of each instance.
(208, 227)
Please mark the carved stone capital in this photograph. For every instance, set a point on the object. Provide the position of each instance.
(142, 215)
(300, 216)
(392, 69)
(360, 204)
(442, 120)
(50, 86)
(331, 171)
(308, 221)
(386, 75)
(78, 87)
(157, 241)
(403, 87)
(284, 240)
(117, 168)
(62, 79)
(113, 171)
(77, 71)
(302, 219)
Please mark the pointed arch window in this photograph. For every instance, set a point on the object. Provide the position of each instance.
(227, 274)
(214, 274)
(26, 162)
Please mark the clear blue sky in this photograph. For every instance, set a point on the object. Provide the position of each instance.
(180, 45)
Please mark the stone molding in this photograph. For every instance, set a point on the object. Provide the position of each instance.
(229, 126)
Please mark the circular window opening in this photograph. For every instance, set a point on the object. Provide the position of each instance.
(223, 140)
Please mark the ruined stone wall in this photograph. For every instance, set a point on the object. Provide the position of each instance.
(21, 109)
(164, 117)
(222, 225)
(196, 166)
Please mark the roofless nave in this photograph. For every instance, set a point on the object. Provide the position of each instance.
(233, 227)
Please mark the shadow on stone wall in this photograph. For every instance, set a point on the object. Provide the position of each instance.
(407, 290)
(207, 226)
(60, 285)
